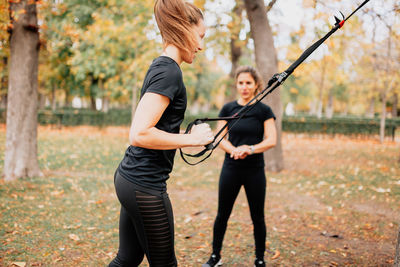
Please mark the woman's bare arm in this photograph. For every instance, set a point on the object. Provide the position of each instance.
(143, 132)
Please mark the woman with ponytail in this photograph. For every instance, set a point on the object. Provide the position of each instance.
(146, 224)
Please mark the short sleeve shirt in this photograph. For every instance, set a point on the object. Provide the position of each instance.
(151, 167)
(248, 130)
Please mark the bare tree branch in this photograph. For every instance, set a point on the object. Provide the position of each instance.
(270, 5)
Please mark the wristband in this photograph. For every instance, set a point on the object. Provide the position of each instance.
(252, 149)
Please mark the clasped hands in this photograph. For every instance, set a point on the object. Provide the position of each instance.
(241, 152)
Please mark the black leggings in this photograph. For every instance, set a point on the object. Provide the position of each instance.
(231, 180)
(145, 227)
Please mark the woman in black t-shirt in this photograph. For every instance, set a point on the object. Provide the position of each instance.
(146, 221)
(244, 162)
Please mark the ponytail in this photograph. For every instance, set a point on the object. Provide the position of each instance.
(175, 19)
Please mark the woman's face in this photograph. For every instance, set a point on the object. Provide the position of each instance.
(246, 86)
(199, 32)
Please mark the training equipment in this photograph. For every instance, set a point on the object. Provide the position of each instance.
(273, 83)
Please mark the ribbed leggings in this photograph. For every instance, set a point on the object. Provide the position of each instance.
(145, 228)
(231, 180)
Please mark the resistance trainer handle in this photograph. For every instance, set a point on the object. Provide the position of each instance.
(210, 146)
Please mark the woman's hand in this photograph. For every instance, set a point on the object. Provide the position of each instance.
(241, 152)
(202, 134)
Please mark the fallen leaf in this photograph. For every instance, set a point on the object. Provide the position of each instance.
(57, 193)
(68, 227)
(19, 264)
(57, 260)
(314, 226)
(188, 219)
(368, 226)
(276, 255)
(74, 237)
(381, 190)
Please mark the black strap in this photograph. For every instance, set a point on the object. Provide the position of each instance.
(273, 83)
(239, 115)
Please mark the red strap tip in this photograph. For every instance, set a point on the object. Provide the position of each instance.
(341, 23)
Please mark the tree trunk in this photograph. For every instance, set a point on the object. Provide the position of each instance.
(267, 64)
(383, 119)
(3, 86)
(42, 101)
(53, 98)
(21, 138)
(371, 109)
(386, 88)
(395, 103)
(3, 101)
(321, 89)
(67, 102)
(105, 100)
(329, 106)
(397, 257)
(105, 104)
(3, 80)
(236, 50)
(92, 97)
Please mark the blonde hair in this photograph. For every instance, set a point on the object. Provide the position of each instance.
(175, 19)
(254, 73)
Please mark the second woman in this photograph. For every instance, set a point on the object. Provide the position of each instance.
(244, 162)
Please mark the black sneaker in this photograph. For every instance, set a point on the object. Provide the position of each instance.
(213, 261)
(259, 263)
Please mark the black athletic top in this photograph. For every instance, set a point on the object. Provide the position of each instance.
(247, 131)
(150, 167)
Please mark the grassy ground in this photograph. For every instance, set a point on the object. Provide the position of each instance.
(335, 204)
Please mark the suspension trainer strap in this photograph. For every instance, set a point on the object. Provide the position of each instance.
(273, 83)
(239, 115)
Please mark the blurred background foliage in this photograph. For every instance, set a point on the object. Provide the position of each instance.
(94, 55)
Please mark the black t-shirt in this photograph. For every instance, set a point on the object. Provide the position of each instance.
(151, 167)
(248, 130)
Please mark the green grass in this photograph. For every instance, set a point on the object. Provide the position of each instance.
(69, 217)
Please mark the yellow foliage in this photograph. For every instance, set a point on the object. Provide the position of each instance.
(294, 91)
(199, 3)
(309, 3)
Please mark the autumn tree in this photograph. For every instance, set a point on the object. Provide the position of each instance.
(383, 57)
(390, 71)
(21, 137)
(98, 49)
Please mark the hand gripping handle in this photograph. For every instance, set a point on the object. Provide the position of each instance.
(210, 146)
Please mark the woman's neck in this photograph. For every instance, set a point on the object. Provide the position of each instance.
(173, 52)
(242, 101)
